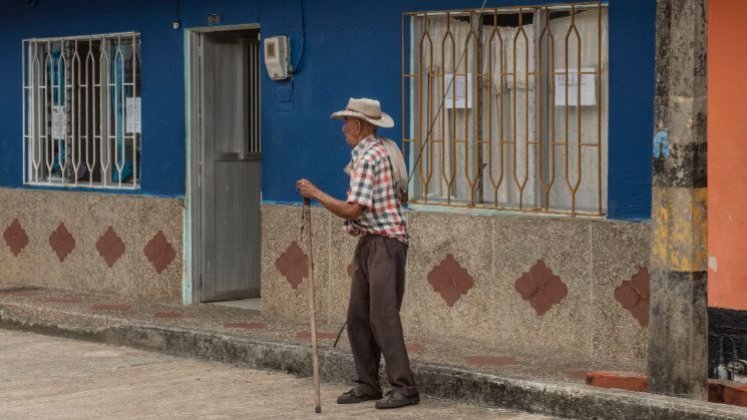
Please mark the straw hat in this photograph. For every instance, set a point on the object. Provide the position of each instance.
(365, 109)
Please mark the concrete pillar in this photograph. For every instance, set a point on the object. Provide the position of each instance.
(678, 331)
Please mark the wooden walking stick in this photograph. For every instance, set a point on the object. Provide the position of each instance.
(312, 306)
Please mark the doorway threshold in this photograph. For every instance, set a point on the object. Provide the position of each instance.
(252, 304)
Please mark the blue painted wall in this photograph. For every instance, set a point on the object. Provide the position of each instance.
(631, 86)
(352, 48)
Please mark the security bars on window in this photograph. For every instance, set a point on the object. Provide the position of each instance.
(81, 119)
(491, 120)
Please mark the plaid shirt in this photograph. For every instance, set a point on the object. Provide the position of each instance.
(372, 186)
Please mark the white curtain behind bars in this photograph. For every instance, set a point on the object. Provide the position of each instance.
(509, 114)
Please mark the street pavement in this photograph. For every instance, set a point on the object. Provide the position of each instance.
(49, 377)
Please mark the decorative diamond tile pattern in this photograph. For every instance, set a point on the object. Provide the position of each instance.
(16, 237)
(62, 242)
(541, 288)
(293, 264)
(110, 247)
(633, 295)
(450, 280)
(159, 251)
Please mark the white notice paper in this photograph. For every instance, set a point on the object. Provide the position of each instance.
(59, 122)
(588, 87)
(132, 110)
(462, 85)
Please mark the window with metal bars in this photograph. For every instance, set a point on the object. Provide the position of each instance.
(81, 119)
(507, 108)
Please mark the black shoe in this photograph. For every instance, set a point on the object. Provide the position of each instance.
(355, 395)
(394, 399)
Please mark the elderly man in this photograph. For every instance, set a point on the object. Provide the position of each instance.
(373, 211)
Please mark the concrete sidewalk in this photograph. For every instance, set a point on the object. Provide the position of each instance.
(464, 371)
(57, 378)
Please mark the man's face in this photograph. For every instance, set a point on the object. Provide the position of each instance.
(351, 129)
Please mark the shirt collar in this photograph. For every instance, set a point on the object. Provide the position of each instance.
(362, 145)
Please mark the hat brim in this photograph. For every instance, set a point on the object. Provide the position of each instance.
(385, 121)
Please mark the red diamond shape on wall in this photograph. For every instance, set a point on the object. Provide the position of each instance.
(293, 264)
(62, 242)
(159, 251)
(633, 295)
(110, 247)
(450, 280)
(16, 237)
(541, 288)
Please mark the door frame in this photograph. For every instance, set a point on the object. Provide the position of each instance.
(192, 288)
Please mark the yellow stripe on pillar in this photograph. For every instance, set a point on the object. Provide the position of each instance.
(680, 231)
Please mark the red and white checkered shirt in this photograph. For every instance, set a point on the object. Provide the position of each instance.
(372, 186)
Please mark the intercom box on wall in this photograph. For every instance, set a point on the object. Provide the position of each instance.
(277, 57)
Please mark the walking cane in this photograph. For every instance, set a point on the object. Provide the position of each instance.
(312, 306)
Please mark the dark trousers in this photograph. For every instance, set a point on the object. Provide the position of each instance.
(374, 325)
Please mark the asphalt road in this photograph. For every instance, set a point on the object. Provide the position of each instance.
(48, 377)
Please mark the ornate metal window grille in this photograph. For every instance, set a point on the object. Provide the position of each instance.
(81, 111)
(490, 118)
